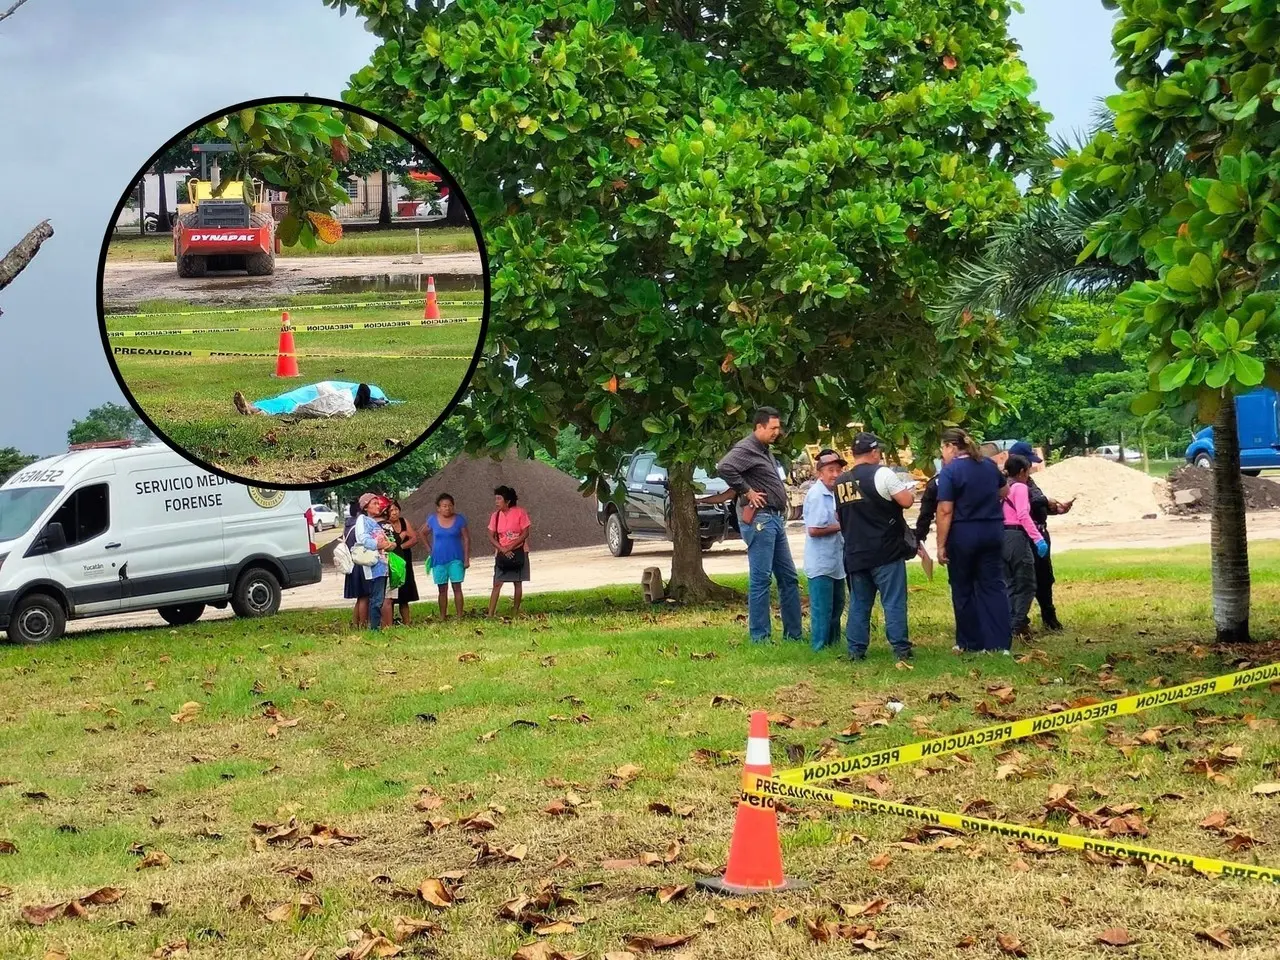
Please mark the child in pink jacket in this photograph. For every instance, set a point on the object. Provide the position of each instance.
(1021, 538)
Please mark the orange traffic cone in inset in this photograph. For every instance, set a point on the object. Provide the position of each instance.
(755, 853)
(286, 357)
(431, 310)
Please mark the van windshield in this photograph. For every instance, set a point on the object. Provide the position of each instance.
(20, 506)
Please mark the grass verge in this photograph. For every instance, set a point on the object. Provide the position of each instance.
(555, 704)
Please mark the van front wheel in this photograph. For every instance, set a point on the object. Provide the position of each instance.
(181, 614)
(39, 618)
(257, 593)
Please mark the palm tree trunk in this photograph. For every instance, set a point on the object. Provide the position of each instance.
(1228, 537)
(689, 581)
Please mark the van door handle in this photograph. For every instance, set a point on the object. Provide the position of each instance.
(112, 546)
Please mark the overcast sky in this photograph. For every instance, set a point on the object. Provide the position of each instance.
(92, 88)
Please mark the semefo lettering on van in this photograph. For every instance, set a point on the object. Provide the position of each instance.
(34, 476)
(179, 483)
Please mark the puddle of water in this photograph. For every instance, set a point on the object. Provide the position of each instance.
(393, 283)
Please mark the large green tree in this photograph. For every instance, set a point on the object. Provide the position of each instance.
(695, 208)
(1175, 204)
(111, 421)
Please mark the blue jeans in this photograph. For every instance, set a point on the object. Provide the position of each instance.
(377, 593)
(826, 604)
(769, 556)
(890, 581)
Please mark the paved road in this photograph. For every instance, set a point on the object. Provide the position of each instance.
(588, 567)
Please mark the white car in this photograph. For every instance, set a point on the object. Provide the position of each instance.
(322, 518)
(1111, 452)
(112, 530)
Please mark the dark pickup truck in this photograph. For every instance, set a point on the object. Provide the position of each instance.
(644, 511)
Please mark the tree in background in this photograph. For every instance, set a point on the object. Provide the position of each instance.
(569, 447)
(12, 460)
(299, 148)
(389, 157)
(694, 209)
(111, 421)
(1073, 393)
(1176, 206)
(178, 156)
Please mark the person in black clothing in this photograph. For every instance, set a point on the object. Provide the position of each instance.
(870, 499)
(1042, 507)
(928, 509)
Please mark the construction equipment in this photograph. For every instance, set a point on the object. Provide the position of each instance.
(226, 231)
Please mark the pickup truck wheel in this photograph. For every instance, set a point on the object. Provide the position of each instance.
(181, 614)
(1252, 473)
(1203, 461)
(38, 619)
(706, 543)
(615, 536)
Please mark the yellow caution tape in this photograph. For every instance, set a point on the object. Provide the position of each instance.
(155, 352)
(1019, 729)
(306, 306)
(302, 328)
(766, 792)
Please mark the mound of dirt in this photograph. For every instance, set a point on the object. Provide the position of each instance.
(1191, 490)
(562, 517)
(1103, 491)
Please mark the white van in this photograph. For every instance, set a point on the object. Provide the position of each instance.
(117, 528)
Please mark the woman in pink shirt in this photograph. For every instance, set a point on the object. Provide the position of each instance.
(1022, 542)
(509, 528)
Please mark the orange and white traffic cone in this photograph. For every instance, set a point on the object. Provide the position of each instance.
(755, 853)
(286, 357)
(431, 310)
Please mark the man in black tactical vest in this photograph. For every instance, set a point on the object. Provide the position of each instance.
(870, 500)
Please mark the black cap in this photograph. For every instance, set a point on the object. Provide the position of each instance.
(865, 443)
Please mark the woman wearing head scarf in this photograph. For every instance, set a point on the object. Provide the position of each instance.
(971, 543)
(368, 533)
(509, 528)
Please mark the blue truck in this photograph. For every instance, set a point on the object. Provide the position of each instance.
(1258, 423)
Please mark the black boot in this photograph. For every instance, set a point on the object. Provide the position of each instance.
(1051, 622)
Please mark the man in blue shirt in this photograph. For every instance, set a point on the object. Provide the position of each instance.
(824, 552)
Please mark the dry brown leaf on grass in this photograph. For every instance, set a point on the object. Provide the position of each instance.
(1267, 789)
(300, 874)
(784, 915)
(55, 954)
(682, 810)
(434, 892)
(1241, 841)
(672, 892)
(559, 808)
(644, 942)
(1010, 945)
(5, 892)
(368, 942)
(1115, 937)
(304, 906)
(487, 854)
(8, 846)
(154, 858)
(880, 862)
(543, 950)
(871, 908)
(468, 657)
(407, 928)
(725, 700)
(794, 723)
(186, 713)
(479, 821)
(174, 948)
(308, 954)
(877, 785)
(1219, 936)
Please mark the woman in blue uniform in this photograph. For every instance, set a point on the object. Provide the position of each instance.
(970, 543)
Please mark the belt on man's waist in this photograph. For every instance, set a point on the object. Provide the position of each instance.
(1015, 526)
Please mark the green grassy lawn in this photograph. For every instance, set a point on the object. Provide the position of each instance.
(159, 249)
(189, 399)
(400, 739)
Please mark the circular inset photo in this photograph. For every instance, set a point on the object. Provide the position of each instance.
(293, 293)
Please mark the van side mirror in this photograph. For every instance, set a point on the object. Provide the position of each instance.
(657, 478)
(52, 539)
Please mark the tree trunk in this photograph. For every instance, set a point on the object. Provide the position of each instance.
(384, 212)
(1120, 453)
(142, 208)
(23, 252)
(689, 582)
(456, 216)
(162, 215)
(1228, 538)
